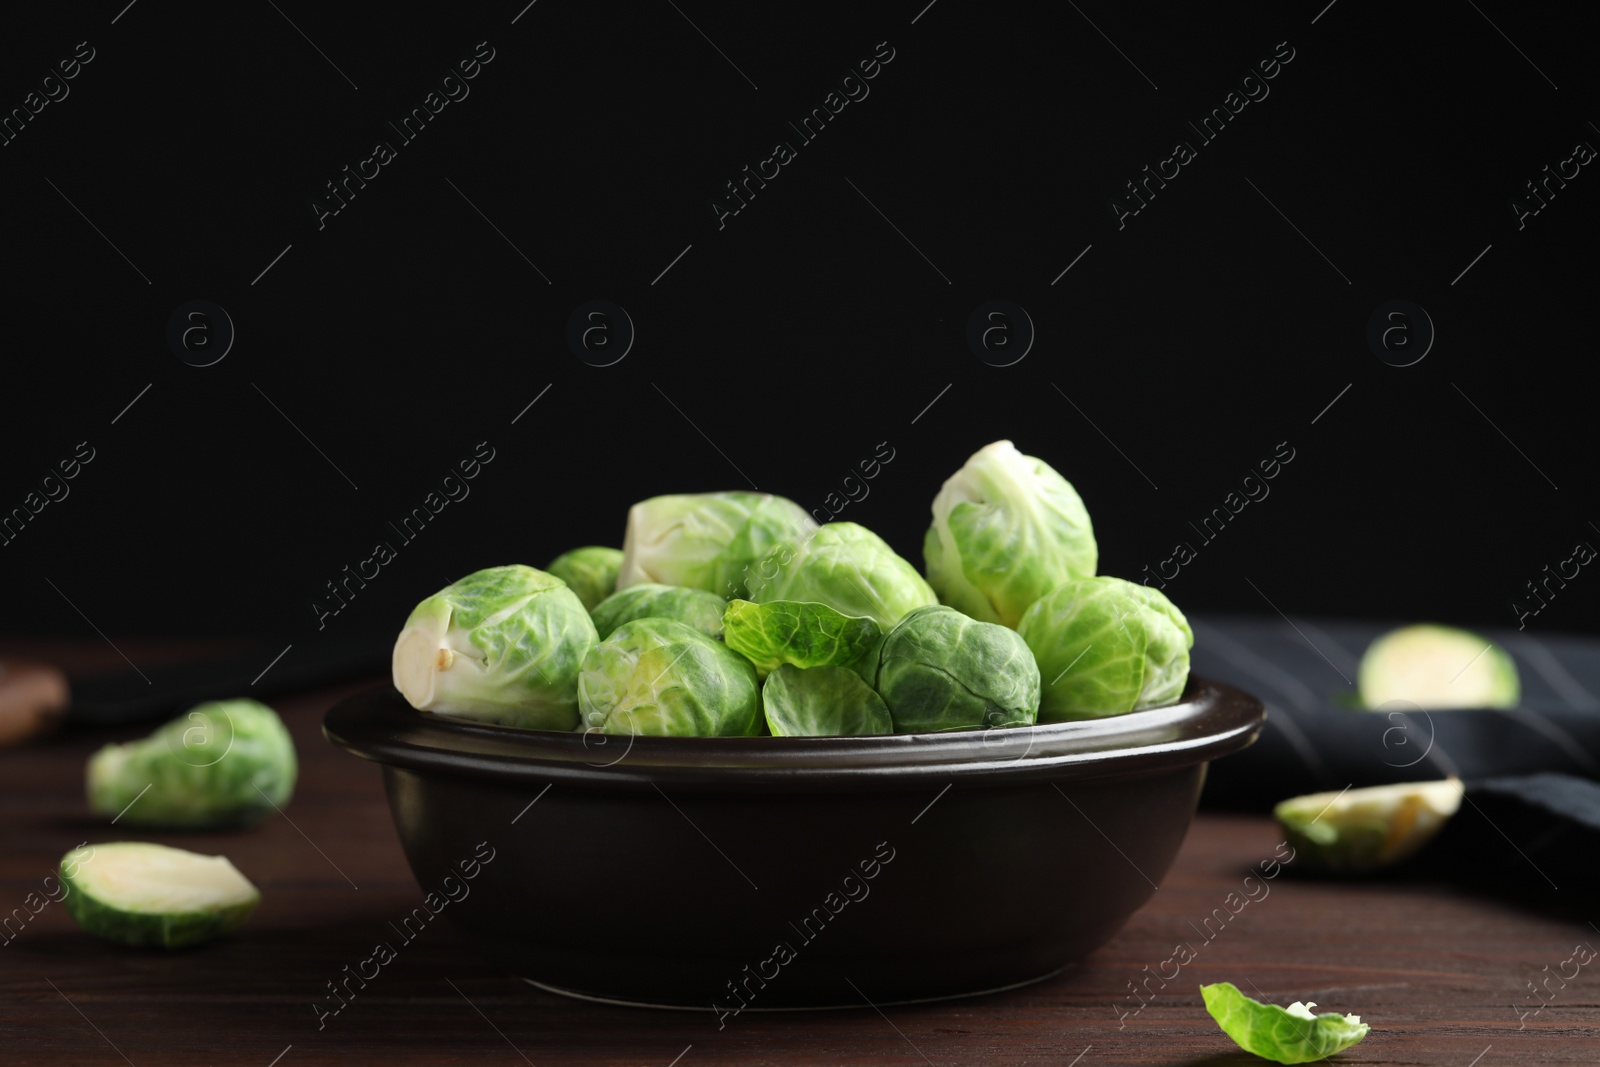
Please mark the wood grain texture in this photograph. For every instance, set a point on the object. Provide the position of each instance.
(1435, 969)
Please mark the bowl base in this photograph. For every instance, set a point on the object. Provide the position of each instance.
(626, 1003)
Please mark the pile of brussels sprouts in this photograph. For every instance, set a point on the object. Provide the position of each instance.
(735, 615)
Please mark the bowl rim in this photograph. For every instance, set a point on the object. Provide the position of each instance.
(1212, 719)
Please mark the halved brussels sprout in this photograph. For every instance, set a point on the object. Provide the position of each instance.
(502, 645)
(660, 677)
(824, 701)
(1106, 646)
(692, 607)
(590, 572)
(1283, 1035)
(1435, 667)
(941, 670)
(707, 540)
(800, 634)
(1006, 530)
(1365, 829)
(142, 894)
(222, 763)
(847, 567)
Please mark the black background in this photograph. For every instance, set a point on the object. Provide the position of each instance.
(782, 349)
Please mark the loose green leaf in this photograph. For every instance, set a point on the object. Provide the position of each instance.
(222, 763)
(1106, 646)
(796, 633)
(825, 701)
(692, 607)
(590, 572)
(1284, 1035)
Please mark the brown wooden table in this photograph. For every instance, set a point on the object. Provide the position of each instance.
(1435, 969)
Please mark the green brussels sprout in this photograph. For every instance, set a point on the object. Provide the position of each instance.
(847, 567)
(502, 645)
(803, 635)
(1283, 1035)
(692, 607)
(223, 763)
(824, 701)
(707, 540)
(660, 677)
(1367, 829)
(1106, 646)
(648, 600)
(1006, 530)
(1432, 667)
(591, 572)
(152, 895)
(941, 670)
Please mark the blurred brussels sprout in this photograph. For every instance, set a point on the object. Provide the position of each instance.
(1366, 829)
(692, 607)
(152, 895)
(1106, 646)
(223, 763)
(803, 635)
(847, 567)
(824, 701)
(660, 677)
(590, 572)
(941, 670)
(502, 645)
(1433, 666)
(707, 540)
(1006, 530)
(1283, 1035)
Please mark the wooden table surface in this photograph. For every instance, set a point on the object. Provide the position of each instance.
(1438, 971)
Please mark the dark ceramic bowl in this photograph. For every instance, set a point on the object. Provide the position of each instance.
(725, 873)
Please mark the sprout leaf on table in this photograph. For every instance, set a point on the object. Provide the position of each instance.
(1284, 1035)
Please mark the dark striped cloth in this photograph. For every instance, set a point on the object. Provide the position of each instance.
(1318, 739)
(1532, 774)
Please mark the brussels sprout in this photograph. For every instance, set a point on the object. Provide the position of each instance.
(803, 635)
(692, 607)
(660, 677)
(707, 540)
(940, 670)
(825, 701)
(847, 567)
(1006, 530)
(141, 894)
(1365, 829)
(1106, 646)
(222, 763)
(591, 572)
(1437, 667)
(502, 645)
(1283, 1035)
